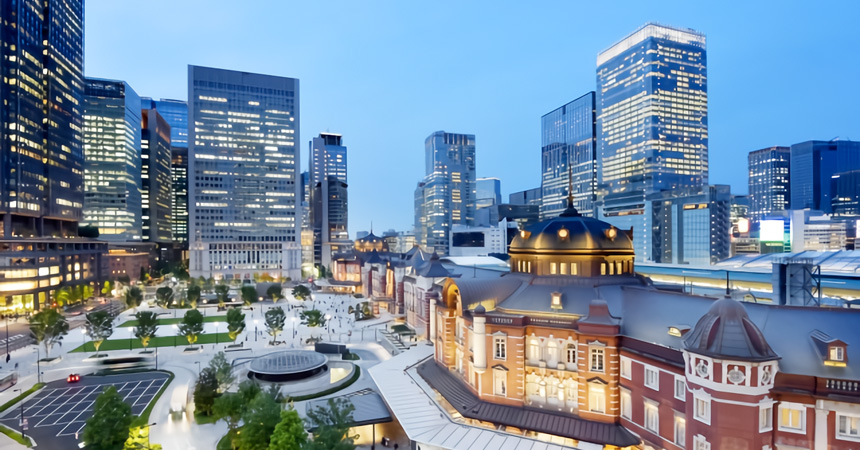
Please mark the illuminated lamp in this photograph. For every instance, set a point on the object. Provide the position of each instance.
(744, 225)
(611, 233)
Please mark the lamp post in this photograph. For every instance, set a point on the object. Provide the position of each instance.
(130, 337)
(38, 366)
(147, 431)
(8, 357)
(293, 326)
(256, 334)
(198, 368)
(22, 414)
(261, 306)
(83, 338)
(216, 333)
(327, 325)
(175, 331)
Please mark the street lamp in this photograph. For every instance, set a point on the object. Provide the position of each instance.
(327, 325)
(255, 330)
(198, 368)
(22, 414)
(83, 338)
(216, 333)
(175, 332)
(130, 337)
(38, 367)
(147, 432)
(293, 328)
(261, 306)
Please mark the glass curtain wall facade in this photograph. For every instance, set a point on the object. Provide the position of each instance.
(652, 124)
(569, 149)
(41, 152)
(769, 186)
(112, 168)
(156, 178)
(175, 112)
(691, 227)
(329, 212)
(813, 165)
(244, 185)
(488, 192)
(448, 192)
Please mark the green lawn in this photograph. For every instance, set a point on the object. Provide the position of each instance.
(175, 321)
(161, 341)
(21, 396)
(15, 435)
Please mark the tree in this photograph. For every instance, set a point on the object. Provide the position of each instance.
(191, 326)
(274, 291)
(99, 326)
(249, 295)
(261, 417)
(235, 323)
(312, 318)
(223, 371)
(275, 319)
(133, 297)
(249, 389)
(221, 292)
(205, 391)
(108, 428)
(88, 232)
(138, 439)
(164, 296)
(332, 426)
(301, 292)
(48, 327)
(193, 295)
(229, 408)
(290, 432)
(107, 288)
(147, 326)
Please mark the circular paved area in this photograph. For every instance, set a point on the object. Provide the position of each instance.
(288, 365)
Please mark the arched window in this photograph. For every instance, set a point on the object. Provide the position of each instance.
(551, 353)
(571, 354)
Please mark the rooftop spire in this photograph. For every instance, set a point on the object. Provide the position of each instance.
(570, 211)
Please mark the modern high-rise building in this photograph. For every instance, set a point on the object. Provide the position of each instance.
(813, 165)
(112, 160)
(156, 178)
(244, 179)
(846, 194)
(41, 153)
(769, 181)
(691, 227)
(447, 193)
(175, 112)
(569, 149)
(527, 197)
(329, 213)
(488, 192)
(652, 124)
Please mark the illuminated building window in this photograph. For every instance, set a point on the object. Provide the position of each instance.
(597, 355)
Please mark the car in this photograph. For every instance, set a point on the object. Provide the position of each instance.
(73, 378)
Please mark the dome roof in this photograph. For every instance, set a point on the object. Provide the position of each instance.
(726, 331)
(572, 232)
(370, 238)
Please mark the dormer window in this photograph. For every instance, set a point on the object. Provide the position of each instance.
(556, 300)
(832, 350)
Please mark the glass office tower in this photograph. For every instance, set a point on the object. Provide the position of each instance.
(488, 192)
(569, 149)
(448, 189)
(156, 179)
(244, 185)
(652, 124)
(769, 181)
(329, 213)
(175, 112)
(112, 162)
(813, 165)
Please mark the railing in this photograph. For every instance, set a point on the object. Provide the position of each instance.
(843, 385)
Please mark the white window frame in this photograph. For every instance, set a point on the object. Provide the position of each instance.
(837, 353)
(503, 375)
(682, 420)
(654, 374)
(626, 404)
(700, 443)
(626, 368)
(570, 350)
(600, 352)
(500, 343)
(847, 436)
(765, 418)
(651, 418)
(801, 409)
(703, 416)
(596, 391)
(680, 394)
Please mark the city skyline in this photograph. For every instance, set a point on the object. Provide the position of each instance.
(394, 82)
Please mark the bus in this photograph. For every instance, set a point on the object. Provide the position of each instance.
(124, 363)
(8, 379)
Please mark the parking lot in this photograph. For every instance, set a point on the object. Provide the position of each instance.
(57, 414)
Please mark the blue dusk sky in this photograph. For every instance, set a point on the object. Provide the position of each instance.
(386, 74)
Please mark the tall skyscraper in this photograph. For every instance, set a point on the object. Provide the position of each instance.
(488, 192)
(448, 189)
(175, 112)
(156, 178)
(329, 214)
(112, 161)
(813, 165)
(769, 181)
(244, 185)
(652, 124)
(691, 227)
(41, 153)
(569, 149)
